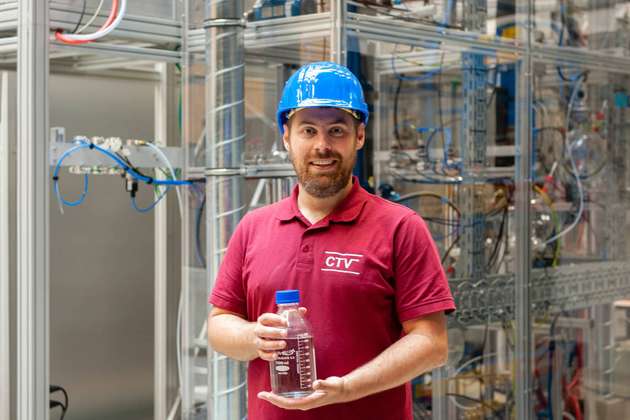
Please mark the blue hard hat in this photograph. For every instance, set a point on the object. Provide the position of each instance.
(322, 84)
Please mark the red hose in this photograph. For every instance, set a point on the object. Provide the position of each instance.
(112, 16)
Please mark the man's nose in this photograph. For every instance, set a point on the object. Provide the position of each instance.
(322, 143)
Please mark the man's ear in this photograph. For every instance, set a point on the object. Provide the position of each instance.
(360, 136)
(285, 137)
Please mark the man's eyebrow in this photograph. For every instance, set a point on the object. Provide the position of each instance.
(336, 121)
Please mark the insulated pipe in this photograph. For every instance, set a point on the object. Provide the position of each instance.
(225, 128)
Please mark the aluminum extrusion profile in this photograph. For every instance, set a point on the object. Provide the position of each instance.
(33, 280)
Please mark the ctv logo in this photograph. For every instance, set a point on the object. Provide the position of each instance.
(341, 263)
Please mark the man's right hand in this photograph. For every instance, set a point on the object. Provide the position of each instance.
(269, 334)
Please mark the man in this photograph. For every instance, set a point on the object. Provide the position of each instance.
(368, 272)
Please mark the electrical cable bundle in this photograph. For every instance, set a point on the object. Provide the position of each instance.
(116, 15)
(576, 173)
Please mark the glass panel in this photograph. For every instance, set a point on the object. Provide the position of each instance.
(260, 10)
(443, 143)
(596, 25)
(579, 247)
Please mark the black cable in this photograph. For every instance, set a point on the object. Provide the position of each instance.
(76, 28)
(450, 248)
(198, 247)
(55, 403)
(396, 100)
(439, 98)
(495, 251)
(131, 165)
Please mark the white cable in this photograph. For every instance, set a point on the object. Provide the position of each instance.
(568, 415)
(173, 412)
(89, 22)
(458, 371)
(167, 162)
(101, 33)
(178, 339)
(473, 360)
(576, 173)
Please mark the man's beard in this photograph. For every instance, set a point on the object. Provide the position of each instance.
(323, 185)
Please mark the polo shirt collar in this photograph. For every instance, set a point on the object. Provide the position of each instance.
(347, 211)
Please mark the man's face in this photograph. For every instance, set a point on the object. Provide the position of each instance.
(322, 145)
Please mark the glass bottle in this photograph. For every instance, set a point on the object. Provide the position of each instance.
(293, 372)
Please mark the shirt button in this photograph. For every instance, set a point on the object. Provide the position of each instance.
(305, 248)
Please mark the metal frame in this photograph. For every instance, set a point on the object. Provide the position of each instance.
(5, 258)
(32, 214)
(165, 128)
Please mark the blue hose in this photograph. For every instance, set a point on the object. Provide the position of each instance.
(134, 205)
(83, 144)
(56, 178)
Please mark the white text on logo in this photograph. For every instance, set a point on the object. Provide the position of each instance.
(340, 262)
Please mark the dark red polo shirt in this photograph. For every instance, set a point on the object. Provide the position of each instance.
(361, 272)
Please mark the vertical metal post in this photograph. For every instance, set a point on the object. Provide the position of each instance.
(184, 316)
(338, 36)
(5, 318)
(473, 148)
(164, 129)
(378, 108)
(32, 212)
(225, 128)
(524, 101)
(439, 389)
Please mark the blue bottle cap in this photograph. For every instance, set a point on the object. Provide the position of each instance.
(284, 297)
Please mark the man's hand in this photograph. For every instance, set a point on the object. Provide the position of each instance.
(269, 334)
(331, 390)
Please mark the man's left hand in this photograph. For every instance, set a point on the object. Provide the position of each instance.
(328, 391)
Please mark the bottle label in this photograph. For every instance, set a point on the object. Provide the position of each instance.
(286, 360)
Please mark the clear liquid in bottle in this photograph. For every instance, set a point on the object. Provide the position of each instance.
(294, 371)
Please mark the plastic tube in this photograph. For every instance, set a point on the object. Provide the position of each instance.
(107, 27)
(573, 166)
(167, 162)
(92, 19)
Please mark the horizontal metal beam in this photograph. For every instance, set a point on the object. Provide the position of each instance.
(418, 34)
(121, 50)
(141, 157)
(269, 170)
(567, 287)
(283, 31)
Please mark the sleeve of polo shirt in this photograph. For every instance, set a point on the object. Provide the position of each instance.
(228, 292)
(421, 284)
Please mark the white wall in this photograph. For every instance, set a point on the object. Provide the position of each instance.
(101, 319)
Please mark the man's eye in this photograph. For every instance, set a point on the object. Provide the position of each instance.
(308, 131)
(337, 131)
